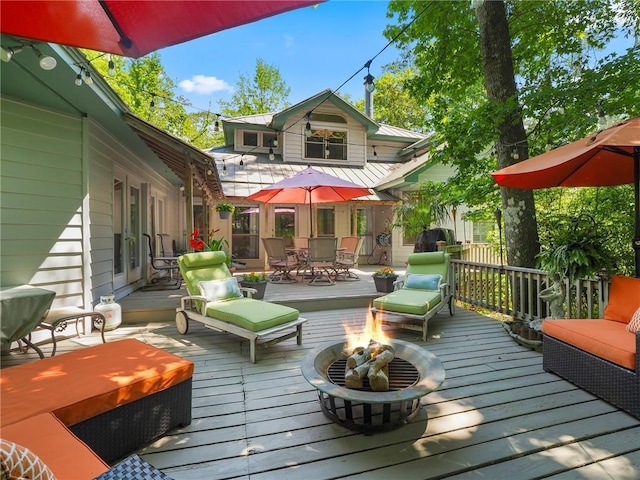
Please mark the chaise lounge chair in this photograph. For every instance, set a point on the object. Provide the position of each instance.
(423, 293)
(216, 301)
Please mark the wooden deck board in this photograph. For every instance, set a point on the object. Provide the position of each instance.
(498, 415)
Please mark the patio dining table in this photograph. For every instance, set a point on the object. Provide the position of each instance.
(21, 310)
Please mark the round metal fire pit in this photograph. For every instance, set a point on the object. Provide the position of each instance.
(368, 411)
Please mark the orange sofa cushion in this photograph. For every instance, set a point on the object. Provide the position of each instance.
(603, 338)
(84, 383)
(65, 454)
(624, 298)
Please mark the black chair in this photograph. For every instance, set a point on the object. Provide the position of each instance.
(167, 268)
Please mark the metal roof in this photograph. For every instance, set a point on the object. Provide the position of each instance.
(178, 155)
(259, 172)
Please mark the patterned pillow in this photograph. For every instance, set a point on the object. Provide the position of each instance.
(18, 462)
(220, 290)
(634, 323)
(423, 281)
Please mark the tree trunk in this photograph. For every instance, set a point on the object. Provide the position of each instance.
(520, 225)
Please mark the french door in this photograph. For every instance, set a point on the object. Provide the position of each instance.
(127, 230)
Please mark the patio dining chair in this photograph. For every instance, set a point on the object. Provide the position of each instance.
(167, 268)
(322, 260)
(279, 260)
(348, 258)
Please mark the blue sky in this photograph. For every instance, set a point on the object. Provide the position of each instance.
(313, 48)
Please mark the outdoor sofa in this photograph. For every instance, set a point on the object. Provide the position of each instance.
(82, 411)
(601, 355)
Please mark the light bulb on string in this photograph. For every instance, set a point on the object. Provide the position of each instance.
(375, 154)
(242, 162)
(112, 67)
(274, 142)
(271, 155)
(87, 77)
(152, 105)
(216, 125)
(78, 80)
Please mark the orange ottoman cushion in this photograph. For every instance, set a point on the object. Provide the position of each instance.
(65, 454)
(79, 385)
(604, 338)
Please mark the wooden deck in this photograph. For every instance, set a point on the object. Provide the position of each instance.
(498, 415)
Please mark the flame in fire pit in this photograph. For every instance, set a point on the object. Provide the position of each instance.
(358, 336)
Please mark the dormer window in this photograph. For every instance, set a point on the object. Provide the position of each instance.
(326, 144)
(258, 139)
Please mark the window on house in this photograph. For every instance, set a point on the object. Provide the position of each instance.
(268, 139)
(326, 222)
(286, 223)
(326, 144)
(481, 231)
(250, 139)
(364, 225)
(245, 237)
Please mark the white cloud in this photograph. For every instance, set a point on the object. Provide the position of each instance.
(204, 85)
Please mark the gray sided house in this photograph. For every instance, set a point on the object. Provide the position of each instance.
(82, 180)
(342, 141)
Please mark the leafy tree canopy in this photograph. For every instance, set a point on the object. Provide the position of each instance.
(263, 92)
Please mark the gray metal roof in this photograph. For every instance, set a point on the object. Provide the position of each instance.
(259, 172)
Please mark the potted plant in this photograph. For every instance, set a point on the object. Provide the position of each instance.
(225, 210)
(384, 278)
(212, 244)
(257, 281)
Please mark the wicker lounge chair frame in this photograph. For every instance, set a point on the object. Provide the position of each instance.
(117, 433)
(613, 383)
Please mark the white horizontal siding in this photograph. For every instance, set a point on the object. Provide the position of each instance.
(41, 198)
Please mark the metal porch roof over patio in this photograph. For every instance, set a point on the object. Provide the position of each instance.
(258, 172)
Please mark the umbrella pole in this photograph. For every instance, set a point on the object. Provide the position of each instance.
(310, 215)
(636, 186)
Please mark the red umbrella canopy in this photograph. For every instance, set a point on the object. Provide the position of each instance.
(609, 157)
(602, 159)
(132, 28)
(310, 186)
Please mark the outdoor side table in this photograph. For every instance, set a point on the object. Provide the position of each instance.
(21, 310)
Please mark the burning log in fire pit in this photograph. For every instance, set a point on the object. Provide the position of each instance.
(372, 362)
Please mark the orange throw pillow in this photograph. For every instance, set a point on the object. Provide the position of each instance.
(624, 298)
(634, 324)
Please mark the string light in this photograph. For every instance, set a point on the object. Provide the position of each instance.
(271, 155)
(375, 154)
(327, 152)
(87, 77)
(307, 128)
(216, 125)
(152, 105)
(112, 67)
(274, 142)
(242, 161)
(369, 86)
(78, 80)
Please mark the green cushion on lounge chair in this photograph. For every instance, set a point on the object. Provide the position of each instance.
(251, 314)
(415, 302)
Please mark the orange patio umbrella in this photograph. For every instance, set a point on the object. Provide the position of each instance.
(310, 186)
(132, 28)
(609, 157)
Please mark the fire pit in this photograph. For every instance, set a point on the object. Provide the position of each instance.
(413, 373)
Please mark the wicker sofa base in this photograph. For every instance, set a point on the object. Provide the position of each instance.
(117, 433)
(613, 383)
